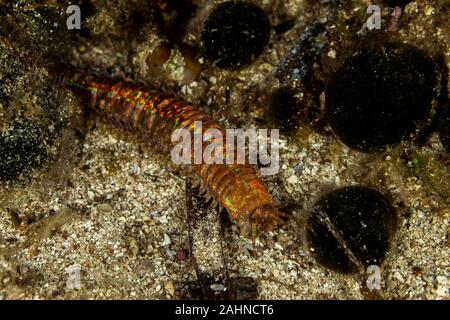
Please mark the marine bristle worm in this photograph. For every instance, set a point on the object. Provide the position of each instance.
(154, 116)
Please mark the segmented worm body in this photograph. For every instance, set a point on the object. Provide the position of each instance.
(154, 116)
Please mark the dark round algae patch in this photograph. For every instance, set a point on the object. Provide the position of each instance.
(235, 34)
(379, 95)
(350, 228)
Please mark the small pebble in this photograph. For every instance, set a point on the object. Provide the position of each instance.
(278, 246)
(217, 287)
(166, 240)
(104, 207)
(292, 179)
(170, 288)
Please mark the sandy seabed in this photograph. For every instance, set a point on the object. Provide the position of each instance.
(111, 208)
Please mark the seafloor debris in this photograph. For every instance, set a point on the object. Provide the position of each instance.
(297, 65)
(433, 172)
(350, 229)
(38, 26)
(209, 255)
(205, 240)
(34, 115)
(172, 17)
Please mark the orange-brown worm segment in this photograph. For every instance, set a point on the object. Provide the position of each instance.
(237, 187)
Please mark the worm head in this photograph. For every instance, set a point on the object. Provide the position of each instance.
(265, 218)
